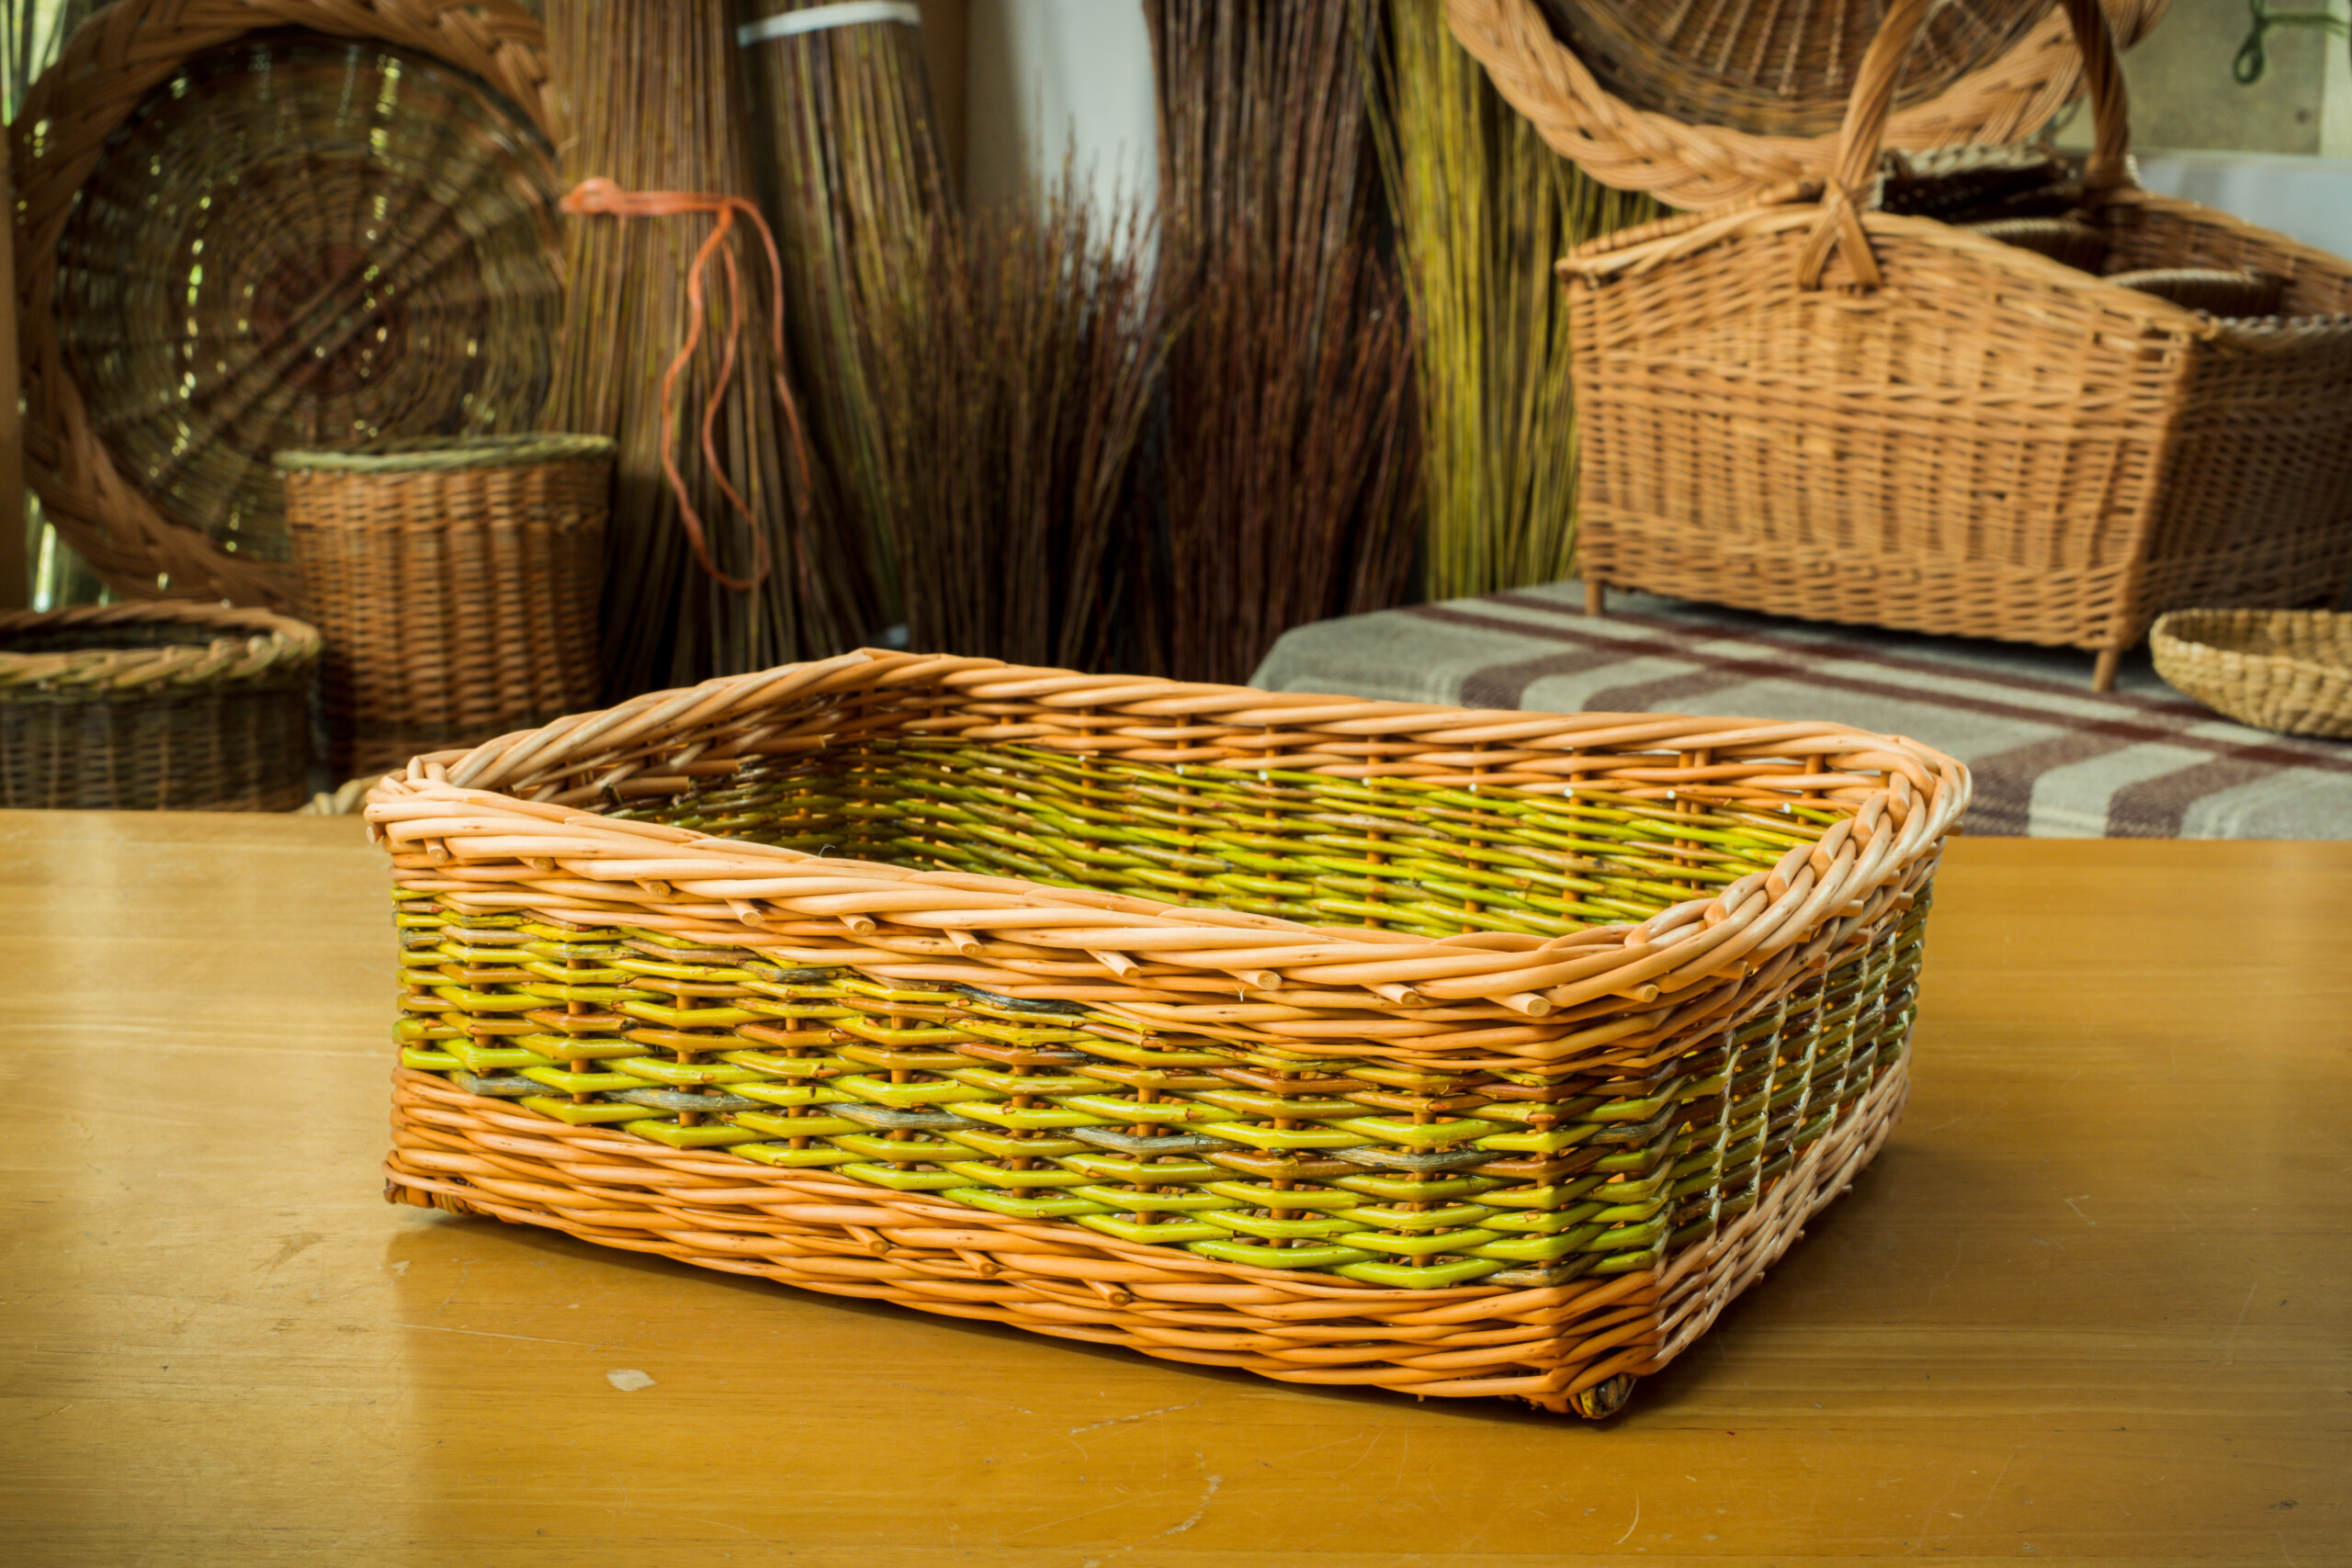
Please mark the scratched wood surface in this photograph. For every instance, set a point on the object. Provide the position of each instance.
(2093, 1301)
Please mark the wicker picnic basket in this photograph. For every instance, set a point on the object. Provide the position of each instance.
(1811, 407)
(1344, 1041)
(456, 581)
(146, 707)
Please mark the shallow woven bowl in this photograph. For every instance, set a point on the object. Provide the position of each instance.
(2285, 669)
(1774, 69)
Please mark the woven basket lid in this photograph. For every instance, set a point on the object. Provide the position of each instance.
(1776, 68)
(1707, 103)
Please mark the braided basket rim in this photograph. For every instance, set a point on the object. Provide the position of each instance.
(248, 645)
(1670, 239)
(453, 806)
(445, 453)
(2192, 630)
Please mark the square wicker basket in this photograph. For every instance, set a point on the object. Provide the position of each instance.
(1342, 1042)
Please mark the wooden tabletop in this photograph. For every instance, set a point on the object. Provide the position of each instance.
(2092, 1301)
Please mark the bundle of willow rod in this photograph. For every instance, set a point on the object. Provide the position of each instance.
(652, 91)
(1018, 378)
(856, 183)
(1290, 452)
(1483, 209)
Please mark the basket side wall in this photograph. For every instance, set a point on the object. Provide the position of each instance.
(2255, 499)
(1391, 855)
(243, 748)
(1787, 1094)
(1924, 457)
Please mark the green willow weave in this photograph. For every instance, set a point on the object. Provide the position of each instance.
(1364, 1166)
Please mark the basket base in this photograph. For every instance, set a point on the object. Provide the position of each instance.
(1575, 1348)
(2102, 609)
(1603, 1398)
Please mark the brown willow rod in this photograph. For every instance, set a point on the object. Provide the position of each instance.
(651, 91)
(1290, 435)
(849, 149)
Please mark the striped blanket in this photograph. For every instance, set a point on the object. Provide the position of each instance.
(2052, 759)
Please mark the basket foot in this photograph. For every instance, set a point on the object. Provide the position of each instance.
(2110, 660)
(1596, 596)
(1603, 1398)
(418, 1197)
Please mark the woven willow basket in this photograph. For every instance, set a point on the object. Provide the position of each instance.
(1811, 408)
(456, 583)
(2285, 669)
(1456, 1053)
(146, 707)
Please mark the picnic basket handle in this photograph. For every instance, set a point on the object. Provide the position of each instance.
(1850, 185)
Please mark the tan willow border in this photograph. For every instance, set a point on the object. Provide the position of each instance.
(510, 825)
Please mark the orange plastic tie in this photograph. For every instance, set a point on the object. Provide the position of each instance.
(598, 196)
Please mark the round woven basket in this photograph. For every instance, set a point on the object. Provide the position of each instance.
(456, 583)
(233, 238)
(143, 707)
(2289, 671)
(1752, 101)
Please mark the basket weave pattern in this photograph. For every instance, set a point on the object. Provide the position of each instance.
(145, 708)
(1938, 432)
(2285, 669)
(457, 585)
(1491, 1054)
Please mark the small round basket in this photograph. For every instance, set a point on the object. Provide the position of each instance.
(2289, 671)
(146, 707)
(456, 580)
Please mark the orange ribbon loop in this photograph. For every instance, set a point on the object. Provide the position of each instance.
(597, 196)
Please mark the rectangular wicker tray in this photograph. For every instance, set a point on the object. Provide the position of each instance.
(1457, 1053)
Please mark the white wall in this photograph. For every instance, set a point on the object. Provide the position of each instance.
(1043, 77)
(2304, 198)
(2335, 108)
